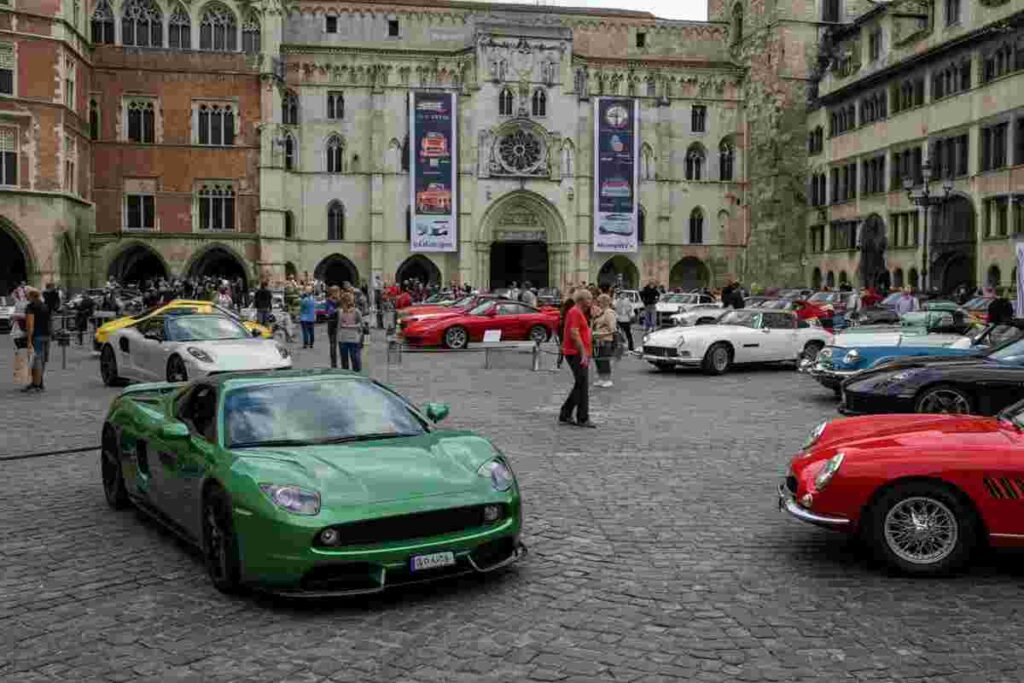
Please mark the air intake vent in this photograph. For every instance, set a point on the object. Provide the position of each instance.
(1004, 488)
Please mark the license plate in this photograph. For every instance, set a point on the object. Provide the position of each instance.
(432, 561)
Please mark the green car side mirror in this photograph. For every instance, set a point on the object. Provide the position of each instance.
(436, 411)
(174, 430)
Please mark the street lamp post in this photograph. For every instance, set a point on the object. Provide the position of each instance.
(923, 197)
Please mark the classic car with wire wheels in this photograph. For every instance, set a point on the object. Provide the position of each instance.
(981, 384)
(311, 481)
(178, 346)
(923, 491)
(744, 336)
(515, 321)
(187, 305)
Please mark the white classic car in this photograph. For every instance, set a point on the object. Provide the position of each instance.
(670, 304)
(177, 348)
(701, 314)
(744, 336)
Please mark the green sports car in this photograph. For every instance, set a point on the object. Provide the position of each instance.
(312, 482)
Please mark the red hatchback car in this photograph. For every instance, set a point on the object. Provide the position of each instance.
(516, 321)
(923, 491)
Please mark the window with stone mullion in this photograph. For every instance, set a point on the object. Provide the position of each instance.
(179, 30)
(8, 156)
(142, 24)
(103, 24)
(141, 122)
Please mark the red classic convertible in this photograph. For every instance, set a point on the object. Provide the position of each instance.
(516, 321)
(923, 491)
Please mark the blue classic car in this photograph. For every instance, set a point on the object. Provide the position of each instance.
(919, 334)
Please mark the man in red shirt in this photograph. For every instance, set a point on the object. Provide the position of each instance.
(576, 347)
(404, 300)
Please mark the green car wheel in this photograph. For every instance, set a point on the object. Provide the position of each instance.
(220, 545)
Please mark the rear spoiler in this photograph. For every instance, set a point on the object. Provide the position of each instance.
(152, 388)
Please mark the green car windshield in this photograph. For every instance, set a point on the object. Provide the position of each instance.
(204, 328)
(315, 412)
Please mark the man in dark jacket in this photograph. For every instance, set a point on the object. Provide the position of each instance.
(263, 300)
(1000, 311)
(51, 297)
(649, 296)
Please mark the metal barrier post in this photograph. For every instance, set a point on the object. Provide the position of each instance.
(487, 358)
(536, 356)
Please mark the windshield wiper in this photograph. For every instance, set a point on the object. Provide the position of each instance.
(272, 442)
(364, 437)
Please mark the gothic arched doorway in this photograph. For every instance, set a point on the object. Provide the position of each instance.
(137, 263)
(519, 228)
(619, 271)
(336, 270)
(420, 268)
(873, 272)
(953, 236)
(14, 261)
(816, 279)
(219, 262)
(689, 273)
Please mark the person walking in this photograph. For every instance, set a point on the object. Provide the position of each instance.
(83, 314)
(624, 317)
(350, 333)
(907, 302)
(576, 345)
(333, 297)
(649, 297)
(560, 333)
(263, 300)
(604, 325)
(307, 316)
(37, 332)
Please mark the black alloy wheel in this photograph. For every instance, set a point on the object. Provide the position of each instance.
(456, 337)
(108, 367)
(718, 359)
(922, 528)
(176, 371)
(943, 399)
(110, 469)
(220, 545)
(538, 333)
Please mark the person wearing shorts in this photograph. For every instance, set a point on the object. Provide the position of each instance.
(37, 329)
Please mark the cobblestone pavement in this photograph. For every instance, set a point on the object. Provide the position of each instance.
(657, 553)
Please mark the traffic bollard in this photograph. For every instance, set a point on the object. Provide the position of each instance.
(536, 356)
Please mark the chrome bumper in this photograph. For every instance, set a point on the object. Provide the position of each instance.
(788, 503)
(670, 360)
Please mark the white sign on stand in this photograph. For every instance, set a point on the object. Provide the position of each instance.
(492, 336)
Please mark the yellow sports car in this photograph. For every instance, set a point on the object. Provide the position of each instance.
(183, 305)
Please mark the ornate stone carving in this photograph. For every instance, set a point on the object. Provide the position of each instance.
(517, 150)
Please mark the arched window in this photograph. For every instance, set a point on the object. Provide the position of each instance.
(179, 29)
(646, 163)
(641, 225)
(726, 155)
(251, 35)
(994, 278)
(816, 279)
(289, 109)
(289, 225)
(843, 279)
(216, 124)
(697, 226)
(218, 30)
(912, 278)
(216, 207)
(830, 280)
(103, 23)
(695, 162)
(568, 160)
(335, 155)
(539, 102)
(652, 87)
(289, 152)
(506, 102)
(897, 278)
(335, 222)
(142, 24)
(94, 120)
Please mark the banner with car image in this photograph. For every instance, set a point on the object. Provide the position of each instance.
(616, 144)
(432, 153)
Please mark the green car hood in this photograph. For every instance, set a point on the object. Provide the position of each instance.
(368, 472)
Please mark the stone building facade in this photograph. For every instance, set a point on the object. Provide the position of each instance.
(907, 90)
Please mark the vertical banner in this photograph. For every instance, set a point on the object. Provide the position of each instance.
(616, 146)
(1020, 280)
(433, 128)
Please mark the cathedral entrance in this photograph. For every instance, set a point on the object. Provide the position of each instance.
(952, 246)
(519, 262)
(524, 233)
(220, 263)
(138, 263)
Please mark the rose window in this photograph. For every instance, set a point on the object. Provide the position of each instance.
(520, 152)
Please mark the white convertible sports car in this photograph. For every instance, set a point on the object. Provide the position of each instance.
(744, 336)
(670, 304)
(701, 314)
(180, 347)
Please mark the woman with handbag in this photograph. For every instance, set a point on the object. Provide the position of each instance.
(604, 326)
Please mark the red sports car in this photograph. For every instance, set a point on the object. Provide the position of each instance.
(923, 491)
(516, 321)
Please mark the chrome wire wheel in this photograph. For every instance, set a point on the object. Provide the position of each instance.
(921, 530)
(456, 338)
(176, 371)
(538, 333)
(944, 400)
(720, 359)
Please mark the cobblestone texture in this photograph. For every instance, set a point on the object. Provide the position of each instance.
(657, 554)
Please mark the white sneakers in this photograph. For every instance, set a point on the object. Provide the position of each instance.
(603, 383)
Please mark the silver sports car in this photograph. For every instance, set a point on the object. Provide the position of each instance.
(177, 348)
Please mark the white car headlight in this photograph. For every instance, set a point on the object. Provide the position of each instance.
(500, 474)
(851, 357)
(199, 354)
(828, 471)
(646, 338)
(825, 353)
(296, 500)
(815, 434)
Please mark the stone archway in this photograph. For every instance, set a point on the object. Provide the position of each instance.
(873, 272)
(689, 273)
(952, 246)
(220, 262)
(136, 263)
(336, 270)
(15, 258)
(420, 268)
(619, 271)
(522, 239)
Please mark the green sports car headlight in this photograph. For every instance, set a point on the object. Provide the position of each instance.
(500, 474)
(293, 499)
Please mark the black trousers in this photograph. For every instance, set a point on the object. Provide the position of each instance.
(332, 341)
(579, 397)
(627, 329)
